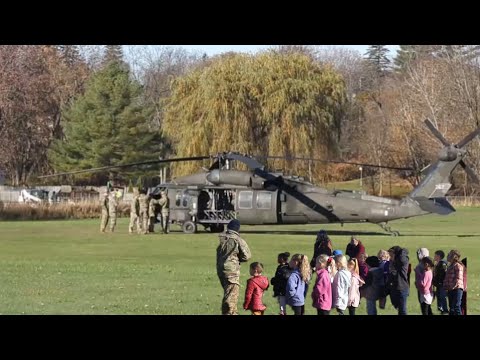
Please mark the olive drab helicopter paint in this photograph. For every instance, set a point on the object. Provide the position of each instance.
(213, 197)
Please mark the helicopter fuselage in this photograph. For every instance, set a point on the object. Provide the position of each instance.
(215, 205)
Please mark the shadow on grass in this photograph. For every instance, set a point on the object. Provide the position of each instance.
(314, 233)
(279, 231)
(295, 232)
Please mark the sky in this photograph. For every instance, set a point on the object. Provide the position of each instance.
(217, 49)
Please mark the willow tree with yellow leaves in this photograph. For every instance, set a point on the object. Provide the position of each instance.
(270, 103)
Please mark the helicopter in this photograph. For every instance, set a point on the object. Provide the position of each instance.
(215, 196)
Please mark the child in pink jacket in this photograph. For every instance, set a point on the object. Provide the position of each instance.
(322, 291)
(354, 292)
(425, 288)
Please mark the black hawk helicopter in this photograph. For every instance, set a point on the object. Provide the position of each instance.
(219, 194)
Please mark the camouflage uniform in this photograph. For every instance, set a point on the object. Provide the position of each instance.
(151, 214)
(231, 251)
(134, 212)
(112, 210)
(164, 203)
(143, 213)
(104, 205)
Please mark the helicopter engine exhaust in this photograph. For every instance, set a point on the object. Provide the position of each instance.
(235, 177)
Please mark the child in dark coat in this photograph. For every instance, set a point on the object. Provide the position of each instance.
(438, 277)
(279, 281)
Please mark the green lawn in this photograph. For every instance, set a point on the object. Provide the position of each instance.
(68, 267)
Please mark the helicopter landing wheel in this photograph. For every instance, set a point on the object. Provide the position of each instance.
(216, 228)
(189, 227)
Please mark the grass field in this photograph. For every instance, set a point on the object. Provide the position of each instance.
(68, 267)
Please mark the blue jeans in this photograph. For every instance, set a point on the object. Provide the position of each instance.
(399, 300)
(371, 307)
(441, 299)
(455, 301)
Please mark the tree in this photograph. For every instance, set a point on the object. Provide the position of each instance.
(34, 84)
(156, 67)
(283, 104)
(377, 55)
(409, 54)
(108, 125)
(70, 54)
(113, 53)
(405, 55)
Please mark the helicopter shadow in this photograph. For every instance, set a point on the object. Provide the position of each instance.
(313, 232)
(347, 233)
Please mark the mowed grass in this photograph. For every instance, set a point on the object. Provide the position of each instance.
(68, 267)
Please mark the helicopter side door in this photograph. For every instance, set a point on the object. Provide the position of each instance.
(292, 211)
(256, 207)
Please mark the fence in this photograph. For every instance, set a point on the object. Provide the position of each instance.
(472, 201)
(62, 194)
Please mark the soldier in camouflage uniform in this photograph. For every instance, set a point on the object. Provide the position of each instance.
(151, 214)
(231, 251)
(143, 212)
(164, 203)
(112, 209)
(104, 205)
(134, 213)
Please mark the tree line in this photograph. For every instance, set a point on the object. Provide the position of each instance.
(71, 107)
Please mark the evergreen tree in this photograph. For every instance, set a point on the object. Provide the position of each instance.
(107, 126)
(70, 54)
(377, 56)
(113, 53)
(405, 55)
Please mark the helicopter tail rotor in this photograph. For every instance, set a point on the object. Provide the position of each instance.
(451, 152)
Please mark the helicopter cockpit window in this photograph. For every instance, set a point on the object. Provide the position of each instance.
(264, 200)
(187, 197)
(245, 199)
(178, 197)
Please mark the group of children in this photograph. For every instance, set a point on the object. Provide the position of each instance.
(449, 278)
(340, 284)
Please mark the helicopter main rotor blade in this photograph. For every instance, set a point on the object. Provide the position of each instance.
(194, 158)
(338, 162)
(468, 138)
(471, 174)
(278, 182)
(436, 132)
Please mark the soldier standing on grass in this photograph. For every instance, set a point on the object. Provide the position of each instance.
(143, 212)
(134, 213)
(165, 205)
(104, 205)
(231, 251)
(112, 209)
(151, 214)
